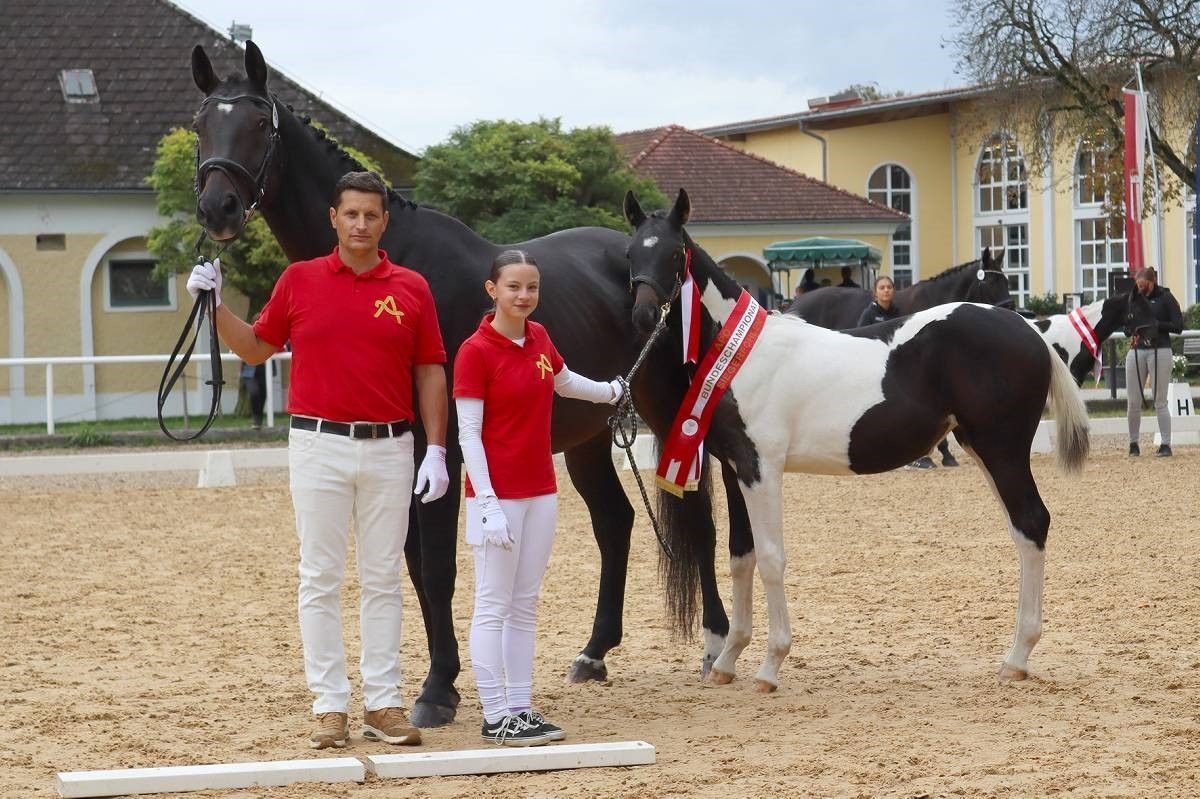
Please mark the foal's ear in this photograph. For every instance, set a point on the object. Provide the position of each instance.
(634, 214)
(998, 261)
(256, 66)
(986, 259)
(681, 210)
(202, 71)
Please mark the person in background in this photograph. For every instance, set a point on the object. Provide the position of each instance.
(505, 378)
(807, 283)
(847, 281)
(881, 308)
(254, 382)
(1150, 354)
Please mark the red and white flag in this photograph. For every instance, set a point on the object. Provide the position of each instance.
(689, 297)
(1135, 162)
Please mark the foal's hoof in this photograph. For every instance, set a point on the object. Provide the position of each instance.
(427, 714)
(1009, 673)
(706, 665)
(586, 669)
(949, 461)
(763, 687)
(718, 677)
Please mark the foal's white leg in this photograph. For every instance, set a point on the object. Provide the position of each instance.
(1029, 607)
(1029, 598)
(741, 570)
(765, 504)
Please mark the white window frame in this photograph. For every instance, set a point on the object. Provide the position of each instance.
(913, 266)
(1004, 218)
(1191, 282)
(172, 304)
(1090, 211)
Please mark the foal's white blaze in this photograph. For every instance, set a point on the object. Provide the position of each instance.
(225, 108)
(649, 241)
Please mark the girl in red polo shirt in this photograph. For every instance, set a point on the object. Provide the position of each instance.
(505, 378)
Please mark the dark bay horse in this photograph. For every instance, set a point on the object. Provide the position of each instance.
(254, 150)
(809, 399)
(981, 280)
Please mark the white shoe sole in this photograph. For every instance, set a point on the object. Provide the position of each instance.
(326, 743)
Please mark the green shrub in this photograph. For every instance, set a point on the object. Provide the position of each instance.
(1046, 305)
(88, 436)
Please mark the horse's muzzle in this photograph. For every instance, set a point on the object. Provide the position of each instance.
(645, 308)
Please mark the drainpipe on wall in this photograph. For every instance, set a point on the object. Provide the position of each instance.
(824, 151)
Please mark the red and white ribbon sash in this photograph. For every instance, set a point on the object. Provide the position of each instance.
(683, 452)
(1085, 331)
(689, 298)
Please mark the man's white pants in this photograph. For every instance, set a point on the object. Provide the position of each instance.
(334, 478)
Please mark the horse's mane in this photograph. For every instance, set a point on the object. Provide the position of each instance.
(954, 270)
(355, 165)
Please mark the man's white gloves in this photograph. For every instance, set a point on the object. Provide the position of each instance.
(205, 277)
(617, 390)
(432, 474)
(493, 522)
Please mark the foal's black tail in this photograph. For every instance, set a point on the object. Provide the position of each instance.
(687, 527)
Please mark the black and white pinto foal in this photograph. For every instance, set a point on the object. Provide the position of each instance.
(808, 399)
(1077, 336)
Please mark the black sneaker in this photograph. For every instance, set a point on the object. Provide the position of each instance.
(514, 731)
(535, 719)
(1164, 451)
(1134, 450)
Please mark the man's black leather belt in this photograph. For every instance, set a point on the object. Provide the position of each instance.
(352, 429)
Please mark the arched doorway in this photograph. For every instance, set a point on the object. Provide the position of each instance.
(753, 274)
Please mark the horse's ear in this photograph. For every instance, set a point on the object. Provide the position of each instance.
(986, 258)
(256, 66)
(681, 210)
(634, 214)
(998, 261)
(202, 71)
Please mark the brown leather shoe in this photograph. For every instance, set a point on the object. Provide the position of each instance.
(332, 730)
(390, 725)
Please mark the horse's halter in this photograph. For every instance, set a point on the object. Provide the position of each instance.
(229, 167)
(981, 275)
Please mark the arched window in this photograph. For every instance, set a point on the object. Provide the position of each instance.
(1002, 210)
(891, 185)
(1099, 240)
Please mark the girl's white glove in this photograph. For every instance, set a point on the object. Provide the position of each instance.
(494, 523)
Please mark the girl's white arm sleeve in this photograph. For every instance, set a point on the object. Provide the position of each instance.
(573, 386)
(470, 441)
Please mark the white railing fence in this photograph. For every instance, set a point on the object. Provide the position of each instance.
(199, 363)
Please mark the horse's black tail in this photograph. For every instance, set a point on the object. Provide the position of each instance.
(687, 528)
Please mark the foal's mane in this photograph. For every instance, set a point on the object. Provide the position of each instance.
(953, 270)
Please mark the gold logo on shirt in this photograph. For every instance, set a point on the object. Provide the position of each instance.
(389, 305)
(543, 365)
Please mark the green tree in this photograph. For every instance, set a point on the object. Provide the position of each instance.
(251, 264)
(513, 181)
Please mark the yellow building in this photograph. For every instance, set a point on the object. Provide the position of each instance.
(83, 103)
(964, 191)
(741, 203)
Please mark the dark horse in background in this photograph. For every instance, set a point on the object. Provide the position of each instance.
(812, 400)
(289, 169)
(981, 280)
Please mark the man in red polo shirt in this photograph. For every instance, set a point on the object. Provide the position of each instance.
(362, 331)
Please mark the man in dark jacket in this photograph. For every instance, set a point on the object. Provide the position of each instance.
(1150, 353)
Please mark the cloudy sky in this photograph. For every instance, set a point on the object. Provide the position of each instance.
(415, 71)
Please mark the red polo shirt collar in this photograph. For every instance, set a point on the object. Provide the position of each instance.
(499, 339)
(382, 269)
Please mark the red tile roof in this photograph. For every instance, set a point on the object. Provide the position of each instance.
(726, 184)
